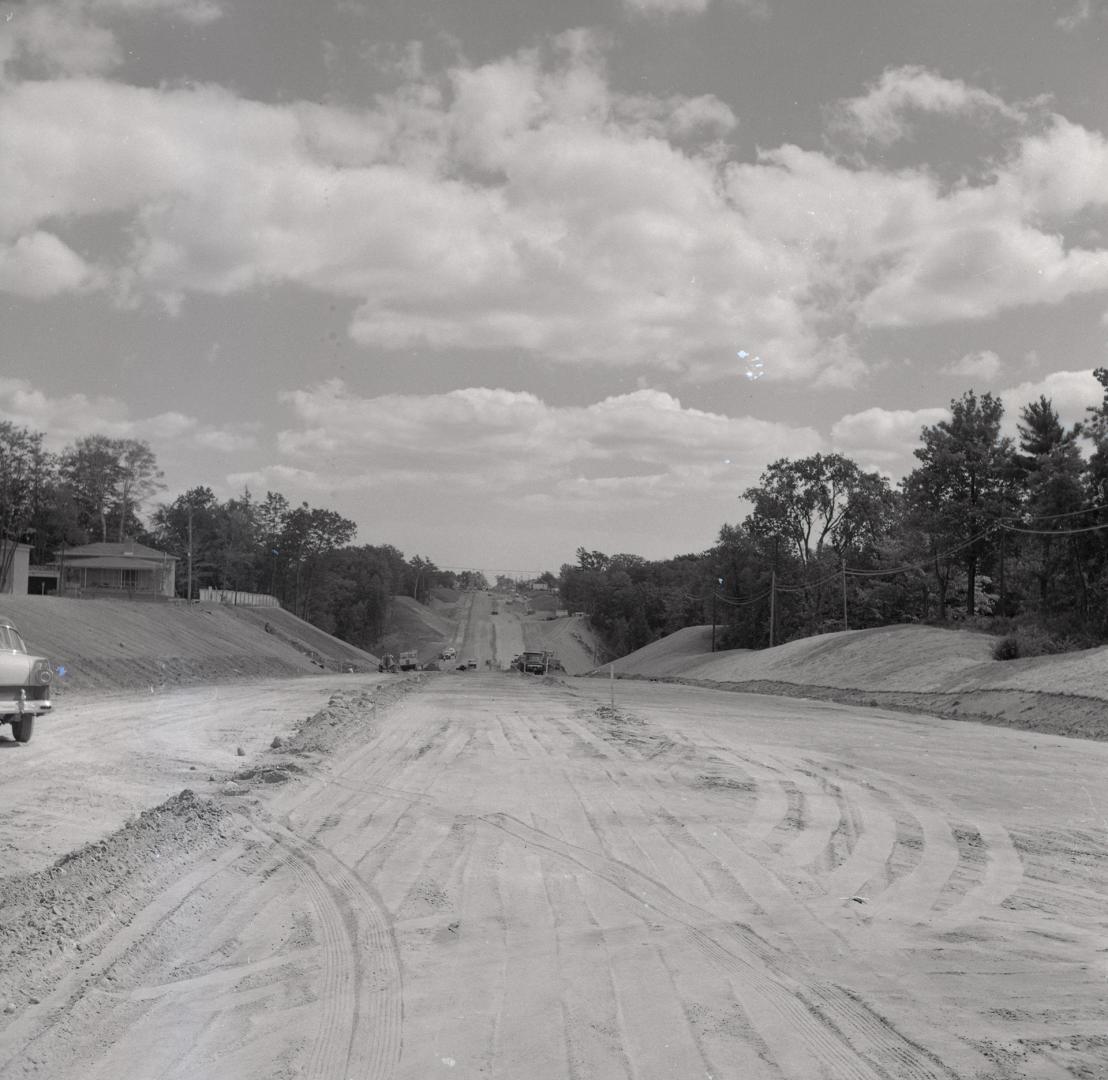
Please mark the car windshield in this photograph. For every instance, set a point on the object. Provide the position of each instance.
(10, 641)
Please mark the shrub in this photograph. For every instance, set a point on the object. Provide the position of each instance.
(1031, 639)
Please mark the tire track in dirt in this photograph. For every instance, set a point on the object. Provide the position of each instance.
(588, 997)
(653, 1026)
(362, 993)
(815, 925)
(875, 837)
(196, 997)
(773, 803)
(854, 1043)
(720, 884)
(769, 894)
(819, 819)
(494, 732)
(464, 958)
(531, 945)
(582, 741)
(347, 783)
(910, 898)
(1001, 876)
(728, 1040)
(438, 873)
(36, 1026)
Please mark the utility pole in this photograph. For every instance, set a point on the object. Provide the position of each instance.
(188, 595)
(1003, 598)
(713, 620)
(772, 604)
(846, 624)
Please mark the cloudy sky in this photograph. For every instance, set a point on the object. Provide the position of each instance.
(499, 278)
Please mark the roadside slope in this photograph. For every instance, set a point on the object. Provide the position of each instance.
(306, 638)
(925, 669)
(416, 626)
(569, 637)
(112, 644)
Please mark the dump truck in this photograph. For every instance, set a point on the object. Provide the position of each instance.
(409, 661)
(533, 663)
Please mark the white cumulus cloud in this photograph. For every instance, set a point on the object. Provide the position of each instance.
(505, 435)
(1070, 392)
(38, 265)
(984, 364)
(666, 8)
(525, 204)
(883, 113)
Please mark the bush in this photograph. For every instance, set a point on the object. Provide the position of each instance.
(1032, 639)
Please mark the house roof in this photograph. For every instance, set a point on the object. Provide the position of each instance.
(129, 549)
(110, 562)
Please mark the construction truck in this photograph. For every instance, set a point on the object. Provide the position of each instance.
(409, 661)
(534, 662)
(449, 653)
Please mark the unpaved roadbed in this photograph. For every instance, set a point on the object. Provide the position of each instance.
(492, 875)
(1071, 715)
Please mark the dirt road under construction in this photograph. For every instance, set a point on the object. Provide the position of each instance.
(491, 875)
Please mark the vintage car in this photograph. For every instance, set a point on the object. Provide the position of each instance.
(24, 683)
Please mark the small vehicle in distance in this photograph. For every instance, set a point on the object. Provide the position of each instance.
(24, 683)
(471, 665)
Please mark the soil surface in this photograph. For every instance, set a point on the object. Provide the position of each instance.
(494, 875)
(97, 645)
(920, 669)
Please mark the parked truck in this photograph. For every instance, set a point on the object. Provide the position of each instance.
(409, 661)
(533, 662)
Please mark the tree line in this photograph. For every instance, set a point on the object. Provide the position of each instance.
(96, 488)
(983, 526)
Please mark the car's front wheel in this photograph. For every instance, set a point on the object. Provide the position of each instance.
(22, 729)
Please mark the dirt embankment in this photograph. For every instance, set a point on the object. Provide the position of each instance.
(915, 669)
(113, 645)
(65, 918)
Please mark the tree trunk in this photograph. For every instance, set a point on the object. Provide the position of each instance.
(971, 586)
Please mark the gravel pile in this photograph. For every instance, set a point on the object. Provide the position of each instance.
(346, 710)
(56, 918)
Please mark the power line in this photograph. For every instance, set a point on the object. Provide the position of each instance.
(732, 602)
(920, 565)
(1055, 517)
(1053, 532)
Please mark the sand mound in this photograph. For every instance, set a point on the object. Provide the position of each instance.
(671, 655)
(918, 668)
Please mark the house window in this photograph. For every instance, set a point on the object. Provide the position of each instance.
(130, 579)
